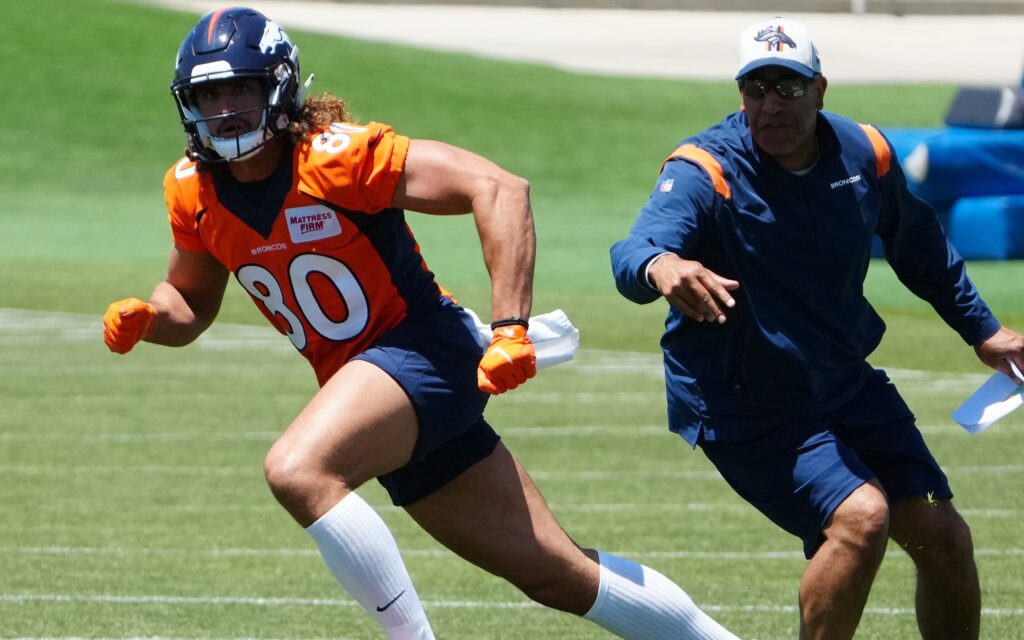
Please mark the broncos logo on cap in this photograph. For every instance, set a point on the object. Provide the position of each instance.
(775, 38)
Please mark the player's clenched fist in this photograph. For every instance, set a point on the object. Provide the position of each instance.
(126, 322)
(508, 362)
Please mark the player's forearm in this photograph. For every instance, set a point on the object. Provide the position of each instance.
(512, 281)
(177, 322)
(509, 242)
(512, 288)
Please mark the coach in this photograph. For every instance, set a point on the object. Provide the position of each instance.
(758, 233)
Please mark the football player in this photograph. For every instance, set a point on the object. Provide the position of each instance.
(305, 209)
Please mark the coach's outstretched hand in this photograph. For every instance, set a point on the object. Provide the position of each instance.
(126, 322)
(510, 360)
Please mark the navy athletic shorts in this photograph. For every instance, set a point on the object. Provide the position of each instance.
(798, 474)
(434, 359)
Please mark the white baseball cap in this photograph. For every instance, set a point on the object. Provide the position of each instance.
(778, 42)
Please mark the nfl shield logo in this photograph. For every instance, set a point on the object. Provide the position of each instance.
(666, 185)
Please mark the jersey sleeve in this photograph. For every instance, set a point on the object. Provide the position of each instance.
(354, 166)
(180, 195)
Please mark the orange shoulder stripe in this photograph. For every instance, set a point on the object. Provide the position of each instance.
(883, 157)
(706, 160)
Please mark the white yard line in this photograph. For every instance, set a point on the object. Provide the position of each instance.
(130, 599)
(629, 430)
(153, 638)
(17, 325)
(561, 431)
(437, 553)
(172, 470)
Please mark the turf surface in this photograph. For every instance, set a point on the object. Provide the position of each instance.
(131, 496)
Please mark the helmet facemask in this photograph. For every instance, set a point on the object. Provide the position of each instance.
(273, 118)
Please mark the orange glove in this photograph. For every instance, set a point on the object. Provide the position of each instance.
(508, 362)
(126, 322)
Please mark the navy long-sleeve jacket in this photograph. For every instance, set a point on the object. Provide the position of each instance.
(795, 345)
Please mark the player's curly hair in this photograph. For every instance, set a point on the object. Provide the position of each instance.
(316, 114)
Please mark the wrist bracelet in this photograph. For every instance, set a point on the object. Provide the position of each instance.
(507, 322)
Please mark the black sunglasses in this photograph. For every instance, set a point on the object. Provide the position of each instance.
(786, 88)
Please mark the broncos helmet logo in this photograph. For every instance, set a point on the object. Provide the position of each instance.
(273, 36)
(775, 38)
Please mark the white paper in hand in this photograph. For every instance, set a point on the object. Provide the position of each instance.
(554, 338)
(997, 397)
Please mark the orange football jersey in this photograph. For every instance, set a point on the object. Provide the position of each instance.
(323, 254)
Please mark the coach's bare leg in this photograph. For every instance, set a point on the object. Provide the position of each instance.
(838, 578)
(939, 542)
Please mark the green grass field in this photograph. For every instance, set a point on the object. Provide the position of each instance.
(132, 502)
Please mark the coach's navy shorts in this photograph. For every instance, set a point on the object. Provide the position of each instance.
(434, 359)
(798, 474)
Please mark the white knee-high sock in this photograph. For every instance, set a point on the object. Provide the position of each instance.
(362, 554)
(638, 603)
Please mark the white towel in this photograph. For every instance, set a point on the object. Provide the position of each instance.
(553, 336)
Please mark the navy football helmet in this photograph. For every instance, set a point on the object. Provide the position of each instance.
(231, 44)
